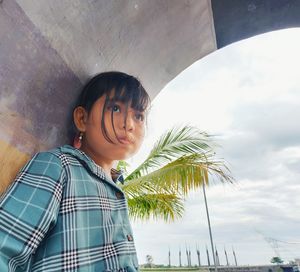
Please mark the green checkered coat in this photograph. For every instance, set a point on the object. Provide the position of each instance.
(63, 214)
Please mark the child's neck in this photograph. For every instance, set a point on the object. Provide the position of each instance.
(106, 165)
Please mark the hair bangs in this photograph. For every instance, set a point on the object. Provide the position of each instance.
(141, 100)
(130, 92)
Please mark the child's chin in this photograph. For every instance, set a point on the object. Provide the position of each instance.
(125, 156)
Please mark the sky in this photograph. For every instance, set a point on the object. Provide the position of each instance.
(247, 95)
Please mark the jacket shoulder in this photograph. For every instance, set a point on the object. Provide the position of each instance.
(66, 157)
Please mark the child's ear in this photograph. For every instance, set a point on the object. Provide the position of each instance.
(80, 118)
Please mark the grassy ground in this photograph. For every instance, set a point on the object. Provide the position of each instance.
(173, 269)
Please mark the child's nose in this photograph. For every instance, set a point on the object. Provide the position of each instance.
(129, 122)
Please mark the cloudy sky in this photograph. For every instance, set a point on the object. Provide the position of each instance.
(248, 94)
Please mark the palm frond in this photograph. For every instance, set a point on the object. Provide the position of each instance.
(156, 206)
(172, 145)
(181, 160)
(180, 176)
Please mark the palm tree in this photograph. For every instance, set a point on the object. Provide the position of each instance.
(180, 161)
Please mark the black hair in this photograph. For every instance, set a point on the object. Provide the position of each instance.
(117, 87)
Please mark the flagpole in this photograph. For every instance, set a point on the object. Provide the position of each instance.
(209, 228)
(198, 254)
(226, 256)
(217, 256)
(234, 257)
(180, 257)
(169, 258)
(207, 254)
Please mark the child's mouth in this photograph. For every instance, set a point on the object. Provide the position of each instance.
(125, 141)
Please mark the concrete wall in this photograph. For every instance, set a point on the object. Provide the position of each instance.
(49, 48)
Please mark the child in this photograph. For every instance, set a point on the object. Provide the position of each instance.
(64, 212)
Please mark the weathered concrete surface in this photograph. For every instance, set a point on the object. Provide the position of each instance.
(37, 88)
(154, 40)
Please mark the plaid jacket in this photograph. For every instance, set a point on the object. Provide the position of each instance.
(63, 214)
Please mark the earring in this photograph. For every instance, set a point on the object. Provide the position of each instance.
(78, 140)
(80, 136)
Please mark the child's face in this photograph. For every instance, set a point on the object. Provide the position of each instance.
(130, 132)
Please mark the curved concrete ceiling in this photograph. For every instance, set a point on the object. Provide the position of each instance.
(49, 48)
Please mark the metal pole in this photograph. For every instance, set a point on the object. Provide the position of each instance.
(209, 228)
(234, 257)
(187, 256)
(180, 257)
(226, 257)
(198, 254)
(207, 254)
(217, 256)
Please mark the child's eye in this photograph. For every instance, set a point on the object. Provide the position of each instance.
(140, 117)
(116, 108)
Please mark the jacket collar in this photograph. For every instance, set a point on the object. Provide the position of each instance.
(116, 175)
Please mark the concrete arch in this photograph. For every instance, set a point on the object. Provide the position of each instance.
(49, 48)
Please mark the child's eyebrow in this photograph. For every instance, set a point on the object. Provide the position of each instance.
(139, 110)
(120, 100)
(113, 100)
